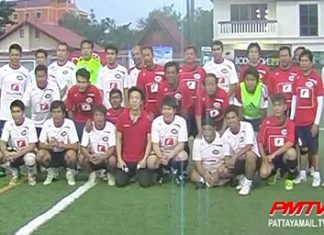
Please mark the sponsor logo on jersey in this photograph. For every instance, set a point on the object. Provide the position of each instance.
(217, 105)
(21, 143)
(105, 139)
(64, 133)
(118, 76)
(178, 96)
(65, 72)
(47, 96)
(20, 78)
(309, 84)
(24, 132)
(89, 100)
(215, 152)
(101, 148)
(174, 131)
(44, 106)
(197, 76)
(284, 132)
(158, 78)
(224, 71)
(14, 87)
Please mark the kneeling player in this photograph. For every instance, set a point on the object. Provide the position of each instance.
(58, 144)
(208, 156)
(19, 134)
(241, 149)
(276, 140)
(98, 146)
(169, 135)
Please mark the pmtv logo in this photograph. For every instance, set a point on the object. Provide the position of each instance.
(15, 87)
(297, 208)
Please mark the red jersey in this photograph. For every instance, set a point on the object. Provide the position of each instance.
(81, 103)
(212, 106)
(113, 114)
(149, 81)
(134, 138)
(307, 89)
(181, 93)
(193, 77)
(262, 69)
(274, 135)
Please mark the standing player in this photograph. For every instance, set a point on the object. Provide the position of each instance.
(241, 149)
(133, 143)
(169, 136)
(254, 53)
(58, 144)
(89, 61)
(39, 97)
(81, 99)
(19, 134)
(208, 156)
(13, 83)
(251, 96)
(297, 53)
(98, 146)
(276, 142)
(306, 111)
(282, 78)
(223, 69)
(64, 68)
(112, 76)
(211, 102)
(149, 80)
(115, 99)
(134, 71)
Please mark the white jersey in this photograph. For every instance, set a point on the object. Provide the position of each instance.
(109, 79)
(225, 72)
(66, 72)
(52, 76)
(40, 101)
(169, 135)
(13, 84)
(132, 76)
(19, 137)
(211, 154)
(235, 142)
(100, 140)
(65, 134)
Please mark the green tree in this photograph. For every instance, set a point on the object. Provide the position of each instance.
(6, 10)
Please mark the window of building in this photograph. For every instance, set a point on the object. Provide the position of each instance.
(37, 33)
(249, 12)
(308, 20)
(21, 33)
(38, 15)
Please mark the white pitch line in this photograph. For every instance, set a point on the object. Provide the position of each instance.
(55, 210)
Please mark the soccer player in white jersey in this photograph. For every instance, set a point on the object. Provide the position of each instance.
(18, 144)
(98, 146)
(63, 67)
(58, 144)
(224, 69)
(208, 157)
(134, 71)
(169, 136)
(13, 82)
(112, 76)
(241, 149)
(39, 97)
(41, 59)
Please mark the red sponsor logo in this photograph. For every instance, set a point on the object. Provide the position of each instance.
(297, 208)
(101, 148)
(169, 142)
(44, 106)
(21, 143)
(14, 87)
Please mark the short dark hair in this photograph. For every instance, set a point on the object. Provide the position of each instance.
(136, 89)
(172, 64)
(283, 48)
(278, 97)
(17, 103)
(15, 46)
(115, 91)
(253, 44)
(218, 43)
(111, 47)
(147, 48)
(58, 104)
(100, 109)
(83, 72)
(208, 121)
(299, 48)
(41, 51)
(306, 53)
(190, 47)
(88, 42)
(252, 71)
(63, 44)
(230, 109)
(170, 101)
(211, 75)
(41, 67)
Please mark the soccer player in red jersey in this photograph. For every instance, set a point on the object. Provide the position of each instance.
(282, 78)
(81, 99)
(276, 142)
(306, 110)
(133, 142)
(211, 102)
(253, 53)
(115, 99)
(173, 87)
(149, 80)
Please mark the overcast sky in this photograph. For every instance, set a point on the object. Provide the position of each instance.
(125, 11)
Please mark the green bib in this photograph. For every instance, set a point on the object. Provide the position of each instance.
(251, 102)
(93, 66)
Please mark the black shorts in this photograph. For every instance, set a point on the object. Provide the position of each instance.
(57, 159)
(239, 166)
(279, 162)
(305, 139)
(38, 131)
(17, 162)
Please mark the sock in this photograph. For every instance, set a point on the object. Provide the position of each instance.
(303, 173)
(292, 169)
(317, 175)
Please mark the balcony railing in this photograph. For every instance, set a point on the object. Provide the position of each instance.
(248, 28)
